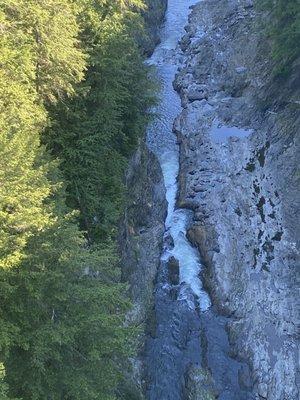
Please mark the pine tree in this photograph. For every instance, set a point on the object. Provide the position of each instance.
(70, 312)
(71, 76)
(23, 186)
(51, 31)
(95, 133)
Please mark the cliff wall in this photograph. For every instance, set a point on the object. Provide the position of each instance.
(244, 190)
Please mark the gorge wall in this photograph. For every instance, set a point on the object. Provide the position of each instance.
(238, 136)
(140, 239)
(153, 15)
(244, 189)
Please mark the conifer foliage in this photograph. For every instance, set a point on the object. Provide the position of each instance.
(74, 95)
(95, 132)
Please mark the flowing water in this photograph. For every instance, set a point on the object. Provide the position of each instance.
(184, 329)
(175, 342)
(162, 141)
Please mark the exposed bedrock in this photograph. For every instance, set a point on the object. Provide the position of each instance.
(153, 15)
(140, 239)
(244, 189)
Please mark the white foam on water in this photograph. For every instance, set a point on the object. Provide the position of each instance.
(162, 141)
(188, 257)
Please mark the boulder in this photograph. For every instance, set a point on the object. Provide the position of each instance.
(173, 271)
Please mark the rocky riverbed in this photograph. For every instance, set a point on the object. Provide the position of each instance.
(238, 193)
(239, 172)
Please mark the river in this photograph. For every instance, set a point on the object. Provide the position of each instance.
(177, 342)
(187, 331)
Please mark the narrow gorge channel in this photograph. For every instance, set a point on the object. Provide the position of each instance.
(179, 295)
(149, 199)
(188, 347)
(210, 238)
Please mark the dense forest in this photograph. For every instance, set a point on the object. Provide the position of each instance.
(73, 102)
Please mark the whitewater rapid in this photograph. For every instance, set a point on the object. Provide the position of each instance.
(162, 141)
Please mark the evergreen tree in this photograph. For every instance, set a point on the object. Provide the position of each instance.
(50, 30)
(94, 133)
(23, 186)
(62, 331)
(70, 312)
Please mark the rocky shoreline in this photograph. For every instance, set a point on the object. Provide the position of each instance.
(244, 194)
(244, 191)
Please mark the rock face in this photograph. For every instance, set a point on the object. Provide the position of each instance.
(244, 189)
(153, 15)
(140, 241)
(173, 269)
(143, 228)
(199, 385)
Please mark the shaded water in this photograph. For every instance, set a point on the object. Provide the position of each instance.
(175, 340)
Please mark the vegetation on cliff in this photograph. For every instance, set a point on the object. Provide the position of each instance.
(73, 99)
(284, 31)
